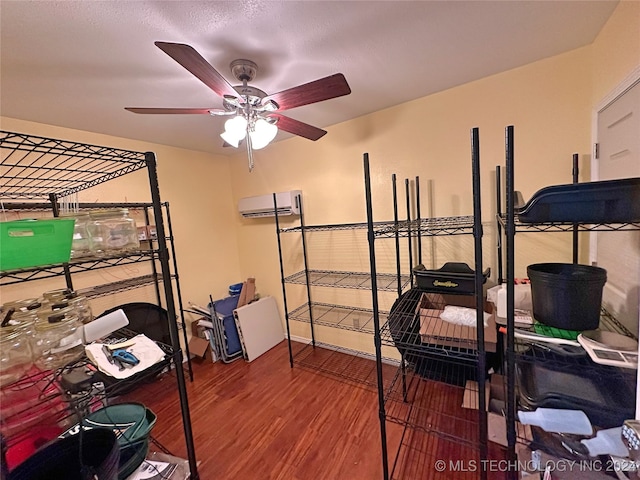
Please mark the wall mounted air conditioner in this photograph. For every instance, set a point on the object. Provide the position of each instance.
(262, 206)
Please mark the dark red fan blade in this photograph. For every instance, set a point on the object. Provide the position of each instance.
(198, 66)
(179, 111)
(312, 92)
(298, 128)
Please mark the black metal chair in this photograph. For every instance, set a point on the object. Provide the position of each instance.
(147, 318)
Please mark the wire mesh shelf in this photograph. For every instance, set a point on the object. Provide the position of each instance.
(75, 266)
(460, 225)
(120, 286)
(34, 167)
(425, 333)
(337, 316)
(572, 359)
(429, 457)
(568, 226)
(358, 368)
(356, 280)
(322, 228)
(429, 395)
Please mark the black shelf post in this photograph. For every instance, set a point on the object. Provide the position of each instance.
(376, 318)
(409, 229)
(178, 289)
(499, 222)
(477, 236)
(510, 268)
(284, 285)
(397, 233)
(163, 255)
(306, 271)
(575, 172)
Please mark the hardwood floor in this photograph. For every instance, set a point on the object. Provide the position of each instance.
(263, 420)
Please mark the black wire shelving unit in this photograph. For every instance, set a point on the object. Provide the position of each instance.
(89, 263)
(354, 366)
(521, 352)
(36, 169)
(440, 365)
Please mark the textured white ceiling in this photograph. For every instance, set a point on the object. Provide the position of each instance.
(77, 64)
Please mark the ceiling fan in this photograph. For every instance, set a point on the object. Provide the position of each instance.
(254, 114)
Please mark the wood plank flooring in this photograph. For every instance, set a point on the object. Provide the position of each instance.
(263, 420)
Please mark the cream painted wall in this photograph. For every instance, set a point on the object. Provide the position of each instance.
(197, 187)
(616, 51)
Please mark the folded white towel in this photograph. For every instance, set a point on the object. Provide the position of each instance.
(462, 316)
(145, 349)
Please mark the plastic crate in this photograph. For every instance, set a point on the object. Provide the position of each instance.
(32, 243)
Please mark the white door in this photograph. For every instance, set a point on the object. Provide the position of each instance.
(618, 137)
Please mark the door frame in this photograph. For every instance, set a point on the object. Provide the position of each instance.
(629, 81)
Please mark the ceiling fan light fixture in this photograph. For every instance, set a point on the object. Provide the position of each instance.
(262, 133)
(235, 129)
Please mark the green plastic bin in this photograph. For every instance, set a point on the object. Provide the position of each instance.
(31, 243)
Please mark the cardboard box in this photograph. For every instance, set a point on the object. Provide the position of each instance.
(199, 345)
(142, 233)
(497, 404)
(495, 395)
(436, 331)
(200, 348)
(248, 292)
(152, 232)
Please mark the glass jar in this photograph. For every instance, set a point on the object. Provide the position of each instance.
(81, 307)
(23, 320)
(81, 243)
(16, 356)
(54, 296)
(58, 340)
(113, 232)
(20, 305)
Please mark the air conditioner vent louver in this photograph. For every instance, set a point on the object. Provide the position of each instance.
(288, 203)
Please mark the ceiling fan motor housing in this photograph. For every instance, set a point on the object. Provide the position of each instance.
(244, 70)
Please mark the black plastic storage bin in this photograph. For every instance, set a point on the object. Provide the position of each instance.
(605, 394)
(567, 295)
(452, 277)
(606, 201)
(95, 451)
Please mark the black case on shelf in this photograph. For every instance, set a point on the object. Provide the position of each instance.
(452, 277)
(607, 201)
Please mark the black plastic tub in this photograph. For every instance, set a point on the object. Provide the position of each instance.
(610, 201)
(452, 277)
(605, 394)
(61, 459)
(567, 295)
